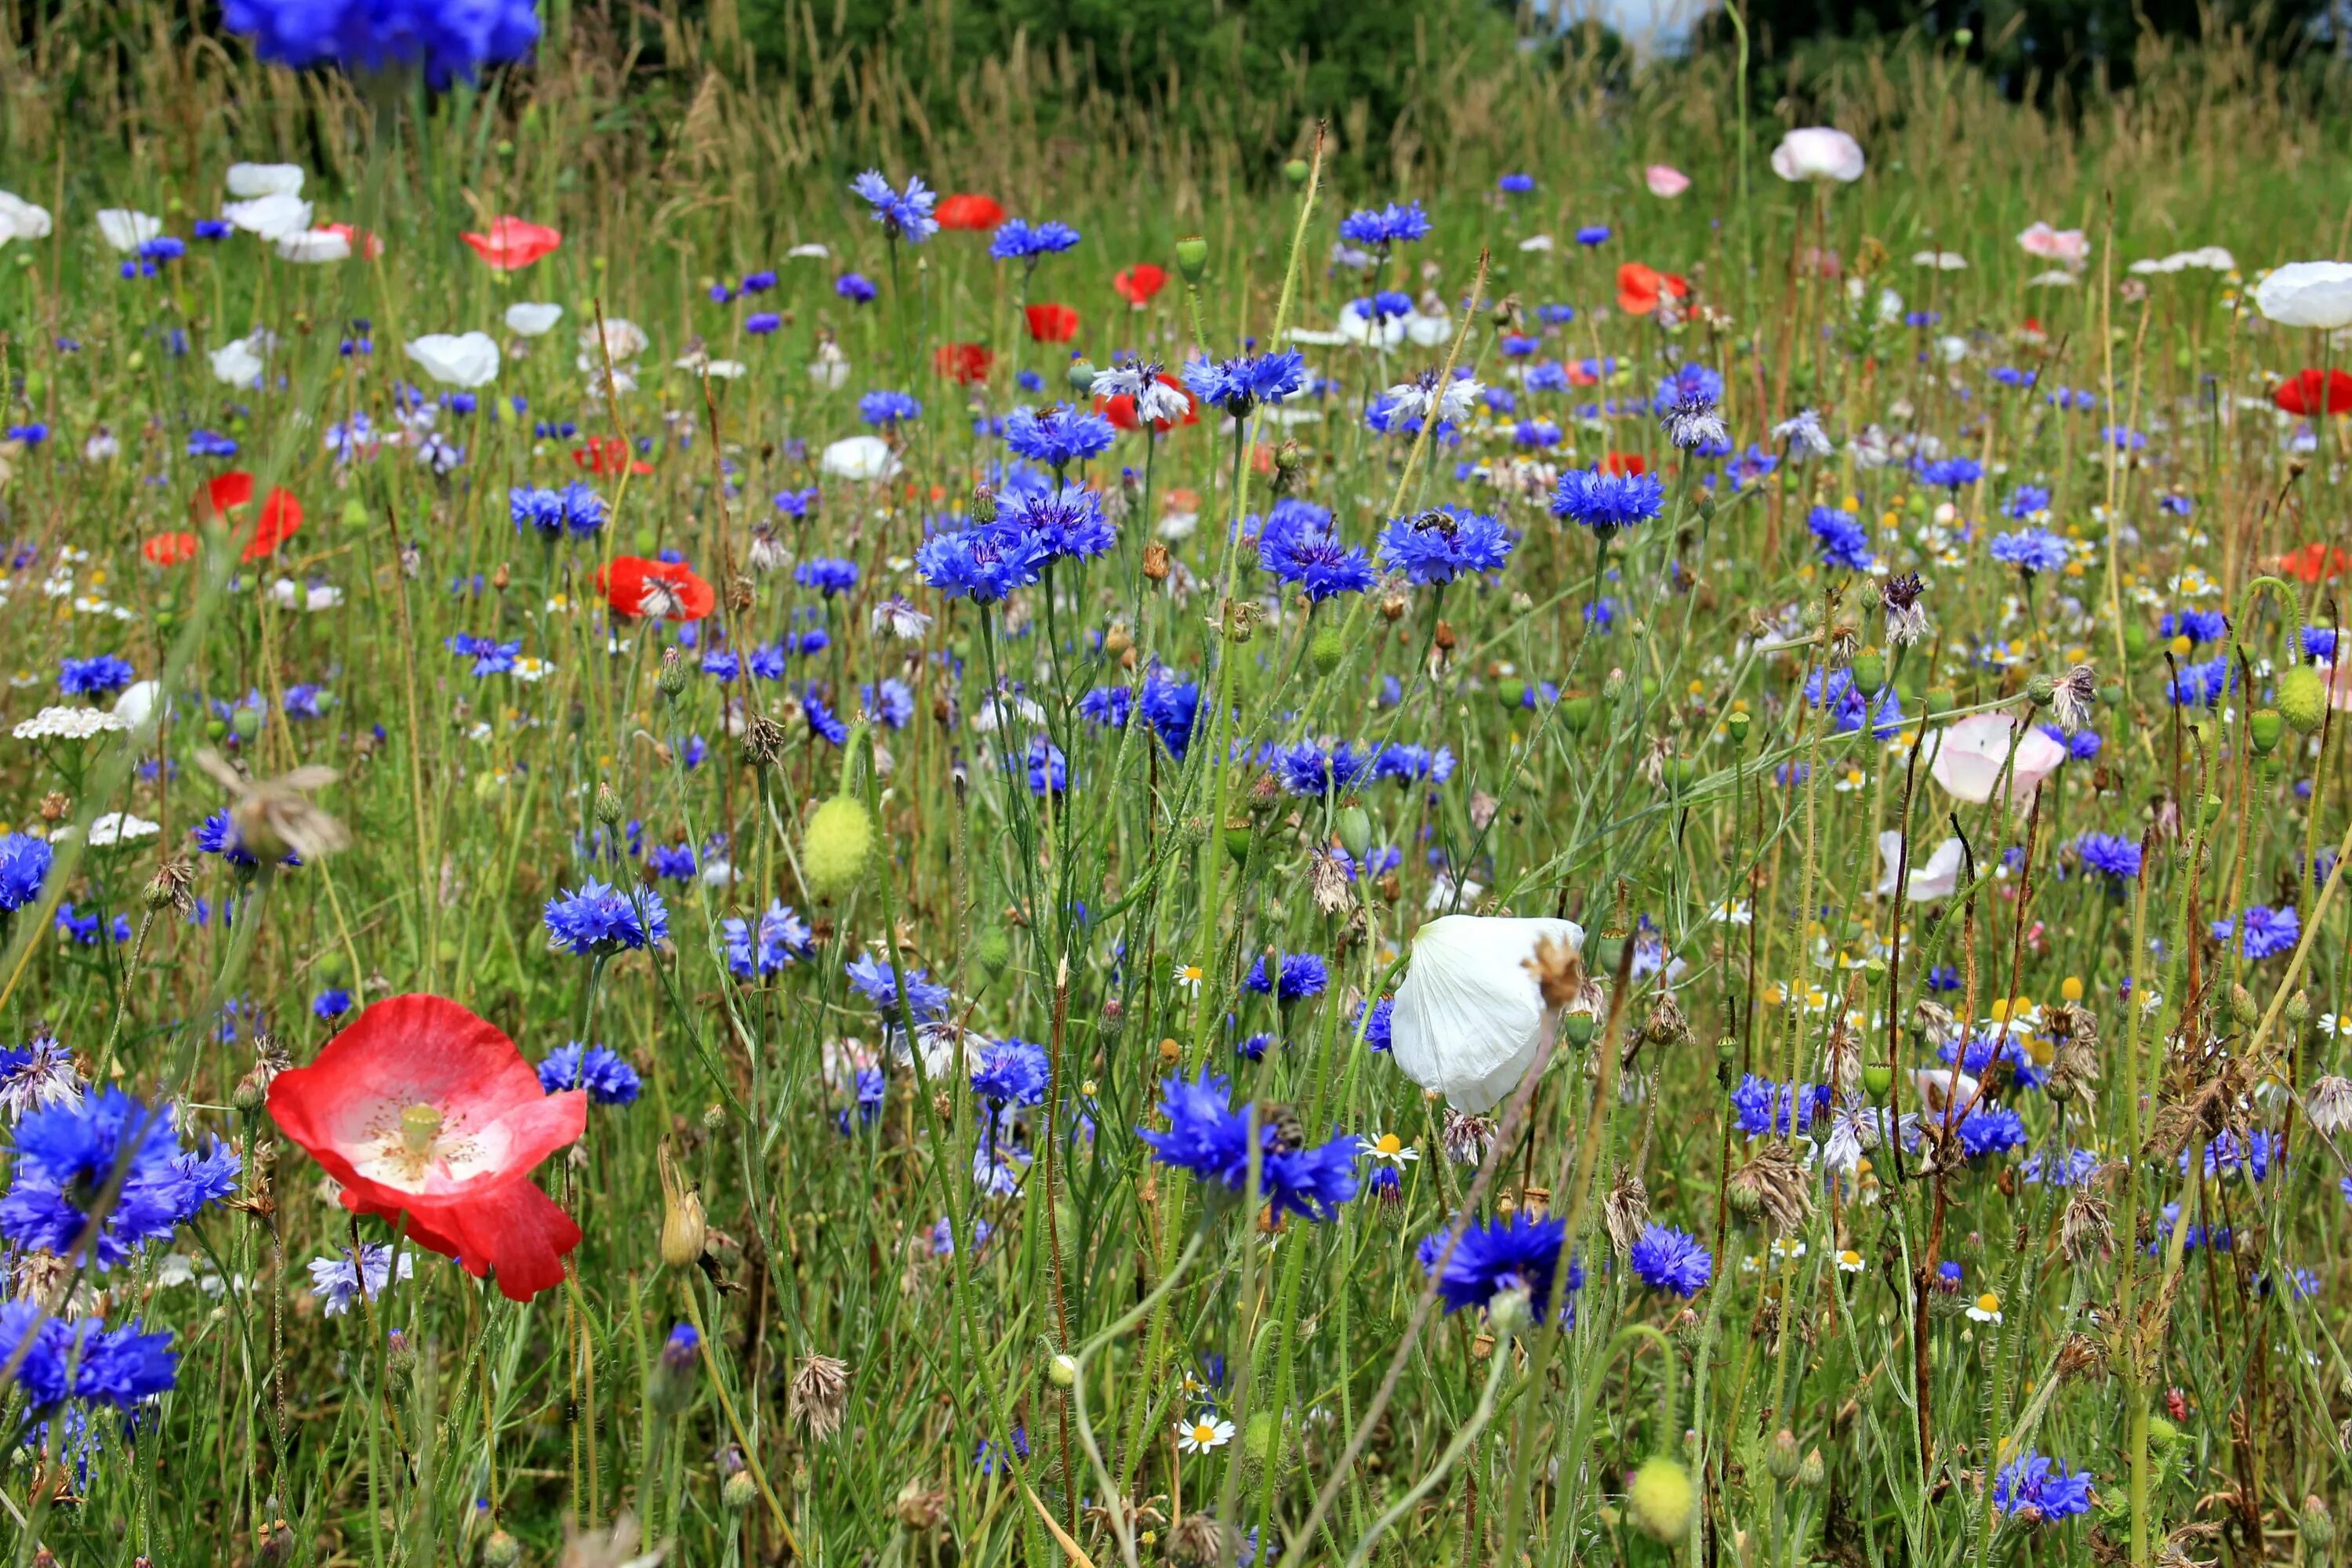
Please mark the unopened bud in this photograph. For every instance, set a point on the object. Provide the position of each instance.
(672, 678)
(608, 804)
(1155, 561)
(1296, 171)
(500, 1550)
(982, 510)
(1192, 259)
(737, 1492)
(1782, 1456)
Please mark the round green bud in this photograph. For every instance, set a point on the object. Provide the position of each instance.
(2302, 698)
(246, 722)
(1576, 713)
(1327, 649)
(1660, 1499)
(1869, 670)
(737, 1492)
(1296, 171)
(1192, 259)
(2263, 727)
(1877, 1078)
(1354, 826)
(834, 848)
(992, 951)
(1510, 691)
(1735, 724)
(1082, 376)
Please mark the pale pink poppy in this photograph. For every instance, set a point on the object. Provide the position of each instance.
(2069, 247)
(1941, 1089)
(2339, 685)
(1665, 179)
(1818, 152)
(1968, 758)
(1935, 877)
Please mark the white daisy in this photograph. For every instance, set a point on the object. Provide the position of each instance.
(1202, 1433)
(1986, 1309)
(1394, 1150)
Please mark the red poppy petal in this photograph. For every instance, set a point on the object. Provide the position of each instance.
(523, 1234)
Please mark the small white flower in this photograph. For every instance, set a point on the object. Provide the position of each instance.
(1189, 975)
(1986, 1309)
(21, 219)
(237, 362)
(532, 669)
(279, 215)
(1391, 1148)
(126, 230)
(70, 724)
(528, 319)
(120, 827)
(1849, 1261)
(867, 457)
(264, 179)
(1787, 1248)
(1203, 1432)
(464, 359)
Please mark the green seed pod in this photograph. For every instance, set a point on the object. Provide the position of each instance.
(2135, 638)
(1327, 649)
(1682, 773)
(1942, 700)
(1577, 1028)
(1354, 826)
(1660, 1499)
(1576, 713)
(1296, 171)
(1735, 724)
(2302, 698)
(1082, 376)
(1237, 841)
(246, 722)
(2263, 727)
(1510, 691)
(646, 539)
(1877, 1078)
(1870, 672)
(1192, 259)
(992, 951)
(2212, 809)
(835, 846)
(2041, 691)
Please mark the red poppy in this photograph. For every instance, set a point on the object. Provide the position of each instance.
(361, 244)
(430, 1120)
(607, 455)
(513, 243)
(1120, 410)
(170, 549)
(2315, 560)
(967, 364)
(633, 586)
(1639, 288)
(1139, 283)
(966, 210)
(281, 514)
(1052, 323)
(2300, 395)
(1626, 464)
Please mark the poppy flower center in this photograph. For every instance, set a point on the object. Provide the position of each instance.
(659, 598)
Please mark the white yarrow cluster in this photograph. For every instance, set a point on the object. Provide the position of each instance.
(70, 724)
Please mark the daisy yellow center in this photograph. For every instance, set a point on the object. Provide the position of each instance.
(1203, 1433)
(1850, 1256)
(1988, 1302)
(1390, 1144)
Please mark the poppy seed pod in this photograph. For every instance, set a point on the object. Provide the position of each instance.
(1661, 1499)
(1296, 171)
(1354, 828)
(2302, 698)
(1192, 259)
(835, 847)
(2263, 727)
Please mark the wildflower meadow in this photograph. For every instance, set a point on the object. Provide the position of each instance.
(743, 824)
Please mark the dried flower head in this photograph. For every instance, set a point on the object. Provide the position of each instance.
(2329, 1104)
(820, 1394)
(2071, 695)
(1466, 1137)
(2085, 1231)
(1559, 975)
(1774, 1183)
(1899, 597)
(1625, 1210)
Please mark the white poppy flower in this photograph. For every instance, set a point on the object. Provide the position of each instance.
(1315, 337)
(314, 246)
(264, 179)
(237, 363)
(2307, 294)
(531, 319)
(1357, 328)
(1818, 152)
(1967, 758)
(1426, 331)
(859, 457)
(1940, 260)
(1470, 1020)
(20, 219)
(279, 215)
(1536, 243)
(810, 249)
(624, 339)
(120, 827)
(1938, 879)
(2056, 278)
(126, 230)
(465, 359)
(136, 703)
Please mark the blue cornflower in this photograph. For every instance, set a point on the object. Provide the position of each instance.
(2030, 550)
(1607, 502)
(675, 862)
(2203, 684)
(1377, 1026)
(210, 443)
(2269, 931)
(1991, 1130)
(2066, 1168)
(904, 214)
(1690, 383)
(983, 563)
(1019, 240)
(1066, 524)
(608, 1079)
(1761, 1106)
(987, 1456)
(1837, 692)
(2197, 625)
(491, 656)
(1049, 769)
(1380, 227)
(1670, 1259)
(95, 676)
(2033, 1483)
(601, 919)
(765, 323)
(722, 665)
(24, 862)
(759, 282)
(1444, 543)
(215, 228)
(1171, 707)
(1299, 545)
(1012, 1071)
(2110, 855)
(582, 508)
(822, 722)
(1520, 1253)
(877, 982)
(893, 701)
(1296, 976)
(1106, 707)
(2319, 642)
(1845, 543)
(66, 1158)
(1592, 233)
(1515, 185)
(1414, 763)
(217, 834)
(782, 938)
(1307, 768)
(1059, 435)
(870, 1089)
(366, 36)
(330, 1003)
(855, 288)
(1950, 472)
(888, 408)
(1241, 384)
(826, 574)
(2026, 501)
(57, 1359)
(1210, 1136)
(536, 510)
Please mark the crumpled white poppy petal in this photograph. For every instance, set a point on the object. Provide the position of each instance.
(531, 318)
(126, 230)
(1469, 1018)
(1938, 878)
(464, 359)
(264, 179)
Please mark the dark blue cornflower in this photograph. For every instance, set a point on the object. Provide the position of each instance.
(2030, 550)
(983, 563)
(1241, 384)
(67, 1157)
(2268, 931)
(2319, 642)
(1377, 1026)
(210, 443)
(1020, 240)
(782, 939)
(491, 656)
(2204, 684)
(2110, 855)
(1059, 435)
(886, 408)
(364, 37)
(855, 288)
(1843, 541)
(1306, 768)
(796, 504)
(601, 919)
(828, 575)
(217, 834)
(822, 721)
(1380, 227)
(1171, 707)
(759, 282)
(766, 662)
(1592, 233)
(871, 1089)
(1837, 692)
(1672, 1260)
(1108, 707)
(2010, 376)
(582, 508)
(1012, 1072)
(536, 510)
(1950, 473)
(1065, 525)
(673, 862)
(1607, 502)
(2026, 501)
(1297, 975)
(608, 1079)
(301, 701)
(1049, 771)
(1299, 545)
(95, 676)
(893, 701)
(1515, 185)
(2060, 1168)
(1761, 1106)
(1414, 763)
(2175, 503)
(2197, 625)
(215, 228)
(1991, 1130)
(989, 1457)
(1520, 1253)
(330, 1003)
(2033, 1484)
(877, 982)
(765, 323)
(1548, 377)
(722, 665)
(1690, 383)
(904, 214)
(57, 1359)
(1442, 543)
(1210, 1136)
